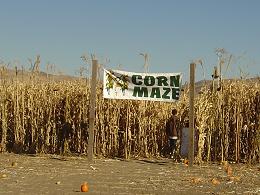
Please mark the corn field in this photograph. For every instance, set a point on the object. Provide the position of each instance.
(52, 117)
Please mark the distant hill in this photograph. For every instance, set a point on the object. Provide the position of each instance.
(208, 83)
(11, 74)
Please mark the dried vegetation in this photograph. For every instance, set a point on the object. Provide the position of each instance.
(52, 117)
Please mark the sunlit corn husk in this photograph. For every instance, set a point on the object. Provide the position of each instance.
(196, 180)
(215, 181)
(229, 170)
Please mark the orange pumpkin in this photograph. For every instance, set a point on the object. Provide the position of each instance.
(84, 187)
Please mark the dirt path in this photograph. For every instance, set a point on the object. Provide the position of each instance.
(52, 174)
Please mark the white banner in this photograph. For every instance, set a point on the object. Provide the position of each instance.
(141, 86)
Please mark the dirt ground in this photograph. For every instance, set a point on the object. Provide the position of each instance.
(53, 174)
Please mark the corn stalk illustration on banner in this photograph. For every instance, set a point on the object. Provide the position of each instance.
(142, 86)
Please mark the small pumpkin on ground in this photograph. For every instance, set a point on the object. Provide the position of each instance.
(84, 187)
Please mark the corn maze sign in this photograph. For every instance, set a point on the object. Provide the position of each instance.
(141, 86)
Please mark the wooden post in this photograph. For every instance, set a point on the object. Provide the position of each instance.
(92, 109)
(191, 114)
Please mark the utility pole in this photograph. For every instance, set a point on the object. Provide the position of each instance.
(191, 114)
(92, 109)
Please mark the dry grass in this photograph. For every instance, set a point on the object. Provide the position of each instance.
(52, 117)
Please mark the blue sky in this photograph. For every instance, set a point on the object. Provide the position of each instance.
(172, 32)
